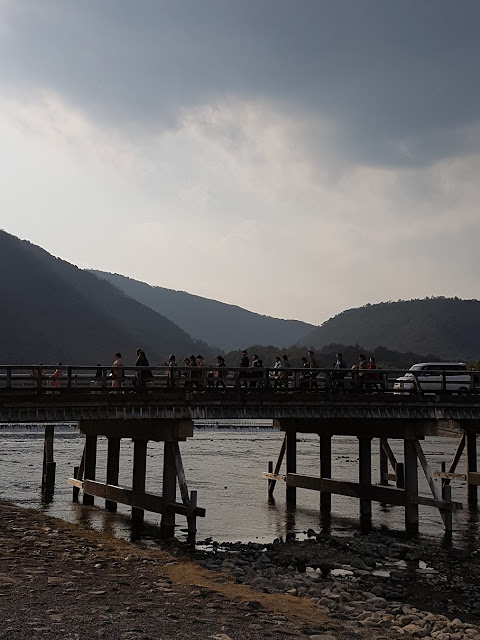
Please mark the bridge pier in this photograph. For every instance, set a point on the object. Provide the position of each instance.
(325, 471)
(404, 494)
(291, 459)
(365, 480)
(113, 468)
(139, 476)
(472, 490)
(411, 485)
(49, 466)
(90, 454)
(383, 463)
(171, 432)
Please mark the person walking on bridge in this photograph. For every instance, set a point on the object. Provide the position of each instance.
(338, 374)
(141, 375)
(313, 365)
(117, 371)
(244, 364)
(57, 375)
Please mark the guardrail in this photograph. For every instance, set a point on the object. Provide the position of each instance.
(51, 379)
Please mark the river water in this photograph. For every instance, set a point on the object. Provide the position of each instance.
(224, 466)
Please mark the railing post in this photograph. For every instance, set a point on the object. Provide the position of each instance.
(69, 377)
(9, 378)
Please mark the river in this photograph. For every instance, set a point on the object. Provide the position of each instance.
(224, 466)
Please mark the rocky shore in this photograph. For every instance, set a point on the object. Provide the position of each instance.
(393, 587)
(59, 580)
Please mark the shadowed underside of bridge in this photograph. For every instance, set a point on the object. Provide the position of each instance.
(345, 414)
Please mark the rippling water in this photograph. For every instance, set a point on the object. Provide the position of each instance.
(224, 466)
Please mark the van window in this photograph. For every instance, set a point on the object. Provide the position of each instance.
(447, 367)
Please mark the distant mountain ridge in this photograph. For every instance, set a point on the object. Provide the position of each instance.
(449, 327)
(217, 323)
(52, 310)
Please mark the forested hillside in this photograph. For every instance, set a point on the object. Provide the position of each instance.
(448, 327)
(51, 311)
(224, 325)
(325, 357)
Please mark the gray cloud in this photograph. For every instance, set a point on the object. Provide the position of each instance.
(396, 79)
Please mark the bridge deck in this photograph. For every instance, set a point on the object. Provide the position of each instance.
(304, 411)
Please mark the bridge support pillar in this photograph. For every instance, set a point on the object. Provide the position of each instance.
(472, 467)
(325, 471)
(90, 453)
(291, 442)
(48, 471)
(167, 524)
(383, 464)
(113, 465)
(365, 480)
(139, 475)
(411, 486)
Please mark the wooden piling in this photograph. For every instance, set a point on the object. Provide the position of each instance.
(325, 471)
(139, 475)
(76, 490)
(447, 513)
(269, 484)
(49, 466)
(192, 520)
(291, 459)
(169, 490)
(90, 465)
(472, 467)
(365, 479)
(383, 464)
(113, 465)
(411, 486)
(278, 465)
(399, 475)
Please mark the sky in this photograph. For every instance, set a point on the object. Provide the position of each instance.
(293, 157)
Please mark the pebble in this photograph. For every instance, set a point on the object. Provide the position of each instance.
(303, 571)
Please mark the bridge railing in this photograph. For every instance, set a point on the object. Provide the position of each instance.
(51, 379)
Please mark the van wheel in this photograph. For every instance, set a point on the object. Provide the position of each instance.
(463, 391)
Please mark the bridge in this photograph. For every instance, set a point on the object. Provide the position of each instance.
(161, 404)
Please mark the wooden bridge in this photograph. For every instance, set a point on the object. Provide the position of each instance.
(164, 405)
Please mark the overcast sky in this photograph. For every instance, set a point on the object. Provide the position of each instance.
(296, 158)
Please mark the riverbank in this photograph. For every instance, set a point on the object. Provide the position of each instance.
(379, 582)
(59, 580)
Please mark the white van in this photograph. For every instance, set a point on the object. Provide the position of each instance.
(436, 377)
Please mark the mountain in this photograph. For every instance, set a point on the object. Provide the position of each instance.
(448, 327)
(52, 311)
(225, 325)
